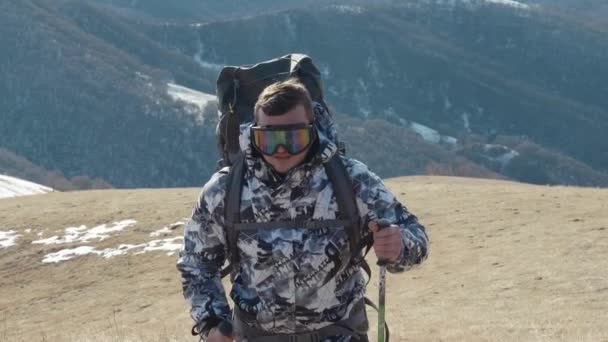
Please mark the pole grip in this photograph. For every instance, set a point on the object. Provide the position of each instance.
(382, 223)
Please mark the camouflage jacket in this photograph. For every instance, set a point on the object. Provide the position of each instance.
(288, 279)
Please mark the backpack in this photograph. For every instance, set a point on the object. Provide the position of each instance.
(238, 88)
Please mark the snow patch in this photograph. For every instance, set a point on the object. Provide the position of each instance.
(142, 76)
(168, 229)
(349, 9)
(198, 58)
(67, 254)
(362, 98)
(466, 122)
(13, 187)
(112, 252)
(500, 154)
(511, 3)
(446, 103)
(163, 231)
(391, 113)
(290, 27)
(163, 245)
(82, 234)
(196, 101)
(332, 90)
(8, 238)
(427, 133)
(170, 245)
(506, 158)
(446, 139)
(207, 65)
(374, 69)
(99, 233)
(508, 3)
(366, 112)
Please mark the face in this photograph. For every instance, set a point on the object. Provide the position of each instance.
(281, 160)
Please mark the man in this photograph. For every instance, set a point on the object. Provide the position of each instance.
(290, 281)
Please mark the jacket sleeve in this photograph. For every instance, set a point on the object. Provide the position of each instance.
(203, 254)
(375, 201)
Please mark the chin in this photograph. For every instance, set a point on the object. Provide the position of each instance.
(284, 165)
(283, 168)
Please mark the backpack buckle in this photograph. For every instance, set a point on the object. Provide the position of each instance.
(308, 337)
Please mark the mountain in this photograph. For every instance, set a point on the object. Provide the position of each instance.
(14, 165)
(188, 11)
(209, 10)
(92, 91)
(93, 85)
(475, 67)
(593, 11)
(79, 85)
(508, 262)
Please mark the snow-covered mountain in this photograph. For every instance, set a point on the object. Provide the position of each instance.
(13, 187)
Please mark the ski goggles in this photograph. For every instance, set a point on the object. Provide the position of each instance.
(294, 138)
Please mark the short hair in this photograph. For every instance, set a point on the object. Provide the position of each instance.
(281, 97)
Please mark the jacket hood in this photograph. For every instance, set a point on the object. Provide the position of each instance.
(322, 151)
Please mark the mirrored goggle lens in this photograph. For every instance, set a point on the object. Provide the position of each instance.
(293, 140)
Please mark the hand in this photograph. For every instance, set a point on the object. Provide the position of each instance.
(387, 242)
(216, 336)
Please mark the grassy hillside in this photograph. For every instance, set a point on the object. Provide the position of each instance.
(508, 262)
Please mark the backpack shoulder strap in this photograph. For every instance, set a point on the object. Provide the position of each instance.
(232, 209)
(347, 204)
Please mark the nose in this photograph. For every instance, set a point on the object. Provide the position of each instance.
(281, 151)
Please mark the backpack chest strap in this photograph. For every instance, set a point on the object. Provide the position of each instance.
(305, 224)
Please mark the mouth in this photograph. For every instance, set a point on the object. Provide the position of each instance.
(282, 156)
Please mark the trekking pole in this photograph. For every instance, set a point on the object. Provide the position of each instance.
(382, 223)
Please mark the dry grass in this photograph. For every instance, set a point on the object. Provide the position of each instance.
(509, 262)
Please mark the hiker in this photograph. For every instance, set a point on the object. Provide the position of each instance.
(293, 280)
